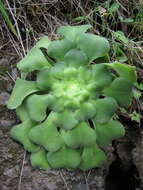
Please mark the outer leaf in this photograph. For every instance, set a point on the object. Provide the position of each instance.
(108, 132)
(93, 46)
(22, 112)
(121, 90)
(20, 133)
(105, 109)
(58, 48)
(64, 158)
(46, 134)
(80, 136)
(125, 71)
(37, 106)
(101, 75)
(39, 159)
(72, 32)
(43, 42)
(21, 89)
(91, 157)
(76, 58)
(34, 60)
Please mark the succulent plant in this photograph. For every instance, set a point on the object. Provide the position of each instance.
(67, 112)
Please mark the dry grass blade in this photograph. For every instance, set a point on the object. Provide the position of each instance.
(61, 174)
(7, 19)
(21, 172)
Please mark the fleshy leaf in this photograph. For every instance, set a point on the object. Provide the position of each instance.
(91, 157)
(65, 120)
(80, 136)
(43, 42)
(72, 32)
(121, 90)
(83, 72)
(58, 48)
(125, 71)
(35, 59)
(20, 133)
(47, 135)
(105, 109)
(93, 46)
(86, 111)
(39, 159)
(37, 106)
(21, 89)
(64, 158)
(22, 112)
(44, 79)
(58, 105)
(108, 132)
(57, 71)
(76, 58)
(72, 104)
(101, 75)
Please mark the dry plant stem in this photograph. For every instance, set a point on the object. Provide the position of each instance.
(17, 27)
(61, 174)
(21, 172)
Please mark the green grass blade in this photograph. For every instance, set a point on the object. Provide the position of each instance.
(7, 19)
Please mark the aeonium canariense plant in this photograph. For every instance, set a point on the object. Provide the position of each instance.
(67, 113)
